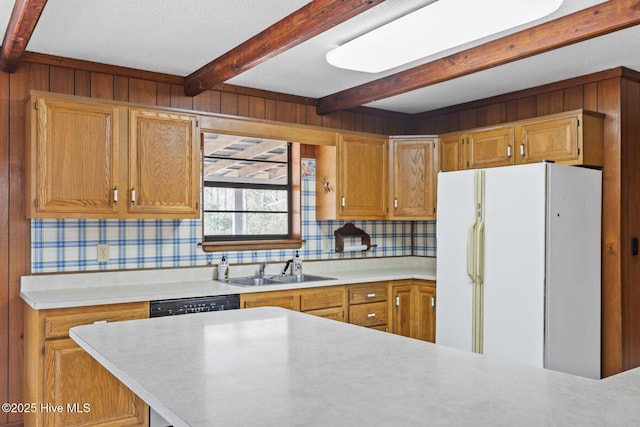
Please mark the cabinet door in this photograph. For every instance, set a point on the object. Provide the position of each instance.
(73, 377)
(73, 158)
(425, 313)
(284, 299)
(555, 140)
(401, 302)
(362, 177)
(451, 152)
(413, 178)
(164, 164)
(489, 148)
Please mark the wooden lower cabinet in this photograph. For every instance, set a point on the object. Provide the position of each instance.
(58, 373)
(368, 305)
(327, 301)
(412, 309)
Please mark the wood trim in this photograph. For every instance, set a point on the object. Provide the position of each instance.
(310, 20)
(4, 241)
(585, 24)
(24, 17)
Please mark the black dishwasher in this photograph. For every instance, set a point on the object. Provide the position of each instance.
(176, 306)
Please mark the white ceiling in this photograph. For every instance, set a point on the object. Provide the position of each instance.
(178, 37)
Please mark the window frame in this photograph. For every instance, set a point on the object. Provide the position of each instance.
(255, 242)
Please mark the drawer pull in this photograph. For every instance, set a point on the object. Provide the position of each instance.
(371, 315)
(371, 295)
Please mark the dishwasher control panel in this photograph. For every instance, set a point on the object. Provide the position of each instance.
(172, 307)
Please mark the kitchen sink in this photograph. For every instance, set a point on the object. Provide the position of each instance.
(275, 280)
(300, 279)
(252, 281)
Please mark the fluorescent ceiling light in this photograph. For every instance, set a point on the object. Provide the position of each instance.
(439, 26)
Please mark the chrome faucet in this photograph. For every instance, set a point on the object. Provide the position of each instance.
(263, 266)
(286, 267)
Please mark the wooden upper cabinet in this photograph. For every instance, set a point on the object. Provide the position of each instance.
(352, 178)
(101, 159)
(451, 152)
(362, 176)
(489, 148)
(574, 138)
(164, 156)
(72, 158)
(414, 164)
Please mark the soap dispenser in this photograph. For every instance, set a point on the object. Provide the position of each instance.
(297, 265)
(223, 269)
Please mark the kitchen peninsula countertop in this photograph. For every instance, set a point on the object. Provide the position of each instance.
(97, 288)
(270, 366)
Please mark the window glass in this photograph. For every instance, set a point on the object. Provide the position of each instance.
(247, 188)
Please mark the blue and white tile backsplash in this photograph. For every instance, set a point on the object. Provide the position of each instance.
(70, 245)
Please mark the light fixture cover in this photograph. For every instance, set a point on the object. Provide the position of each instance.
(438, 26)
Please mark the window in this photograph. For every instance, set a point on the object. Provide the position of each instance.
(251, 196)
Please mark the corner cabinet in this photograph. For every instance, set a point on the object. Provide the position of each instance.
(414, 165)
(60, 373)
(100, 159)
(352, 178)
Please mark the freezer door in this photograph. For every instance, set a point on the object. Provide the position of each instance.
(573, 270)
(514, 289)
(455, 215)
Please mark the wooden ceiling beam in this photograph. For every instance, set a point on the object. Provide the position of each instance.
(607, 17)
(310, 20)
(24, 17)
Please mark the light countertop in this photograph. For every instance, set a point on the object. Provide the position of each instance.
(84, 289)
(270, 366)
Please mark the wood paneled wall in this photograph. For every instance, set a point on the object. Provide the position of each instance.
(93, 80)
(615, 93)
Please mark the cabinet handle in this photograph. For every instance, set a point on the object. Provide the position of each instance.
(397, 301)
(371, 295)
(522, 149)
(343, 202)
(395, 203)
(115, 194)
(508, 150)
(133, 195)
(371, 315)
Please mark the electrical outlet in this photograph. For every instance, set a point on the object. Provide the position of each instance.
(102, 252)
(326, 245)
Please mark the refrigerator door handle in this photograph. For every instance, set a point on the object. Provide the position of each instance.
(471, 236)
(479, 267)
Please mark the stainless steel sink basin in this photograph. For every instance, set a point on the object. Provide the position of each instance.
(275, 280)
(252, 281)
(300, 279)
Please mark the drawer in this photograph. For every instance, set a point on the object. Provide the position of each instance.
(58, 322)
(314, 299)
(367, 292)
(374, 314)
(333, 313)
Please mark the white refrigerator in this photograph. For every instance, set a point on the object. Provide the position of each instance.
(518, 265)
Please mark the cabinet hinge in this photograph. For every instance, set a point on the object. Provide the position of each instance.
(42, 350)
(35, 105)
(578, 151)
(578, 122)
(197, 205)
(433, 302)
(35, 203)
